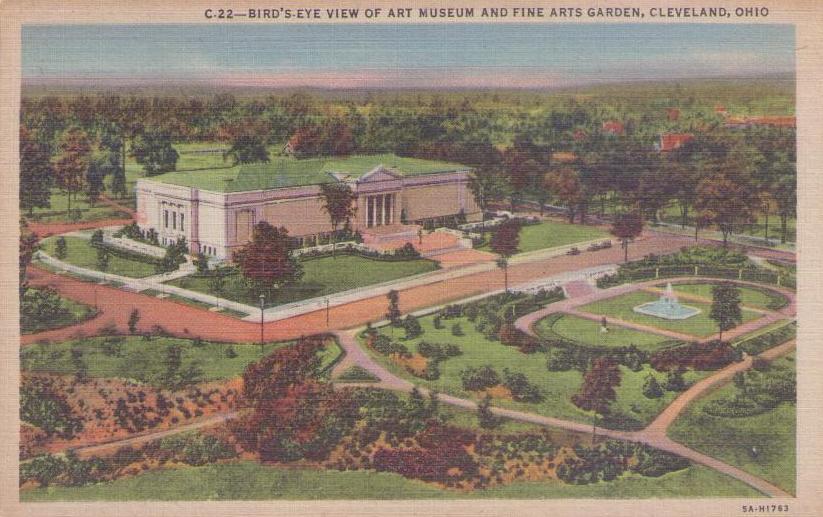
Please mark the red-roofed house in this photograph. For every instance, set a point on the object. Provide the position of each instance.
(672, 114)
(672, 141)
(613, 127)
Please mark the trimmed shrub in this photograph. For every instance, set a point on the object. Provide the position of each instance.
(476, 379)
(651, 388)
(710, 355)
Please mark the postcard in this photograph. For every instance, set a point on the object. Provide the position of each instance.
(364, 258)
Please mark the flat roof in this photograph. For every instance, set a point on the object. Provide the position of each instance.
(284, 172)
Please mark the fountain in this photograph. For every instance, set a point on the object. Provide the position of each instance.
(667, 307)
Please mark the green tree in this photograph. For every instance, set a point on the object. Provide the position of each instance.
(36, 174)
(60, 248)
(784, 192)
(393, 313)
(94, 182)
(27, 247)
(134, 319)
(72, 163)
(103, 259)
(338, 203)
(485, 417)
(153, 150)
(651, 387)
(247, 148)
(505, 242)
(725, 310)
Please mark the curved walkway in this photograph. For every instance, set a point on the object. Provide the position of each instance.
(653, 435)
(569, 305)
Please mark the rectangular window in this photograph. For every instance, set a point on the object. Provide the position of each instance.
(174, 220)
(165, 218)
(181, 223)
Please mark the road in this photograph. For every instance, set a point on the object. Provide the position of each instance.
(115, 305)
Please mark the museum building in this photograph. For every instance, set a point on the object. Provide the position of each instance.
(216, 209)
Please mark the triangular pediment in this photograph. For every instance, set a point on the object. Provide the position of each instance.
(379, 173)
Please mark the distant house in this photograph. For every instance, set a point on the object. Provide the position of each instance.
(721, 110)
(613, 127)
(672, 141)
(672, 114)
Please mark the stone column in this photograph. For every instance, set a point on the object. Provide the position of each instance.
(383, 210)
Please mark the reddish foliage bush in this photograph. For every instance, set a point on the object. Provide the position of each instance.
(512, 336)
(711, 355)
(446, 464)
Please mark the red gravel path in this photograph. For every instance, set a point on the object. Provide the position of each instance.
(116, 305)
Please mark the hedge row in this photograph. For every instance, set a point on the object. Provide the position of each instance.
(751, 274)
(758, 344)
(129, 255)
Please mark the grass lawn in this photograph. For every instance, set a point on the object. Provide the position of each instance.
(732, 439)
(589, 332)
(81, 253)
(557, 387)
(135, 358)
(58, 211)
(621, 307)
(550, 234)
(247, 480)
(77, 312)
(322, 276)
(752, 297)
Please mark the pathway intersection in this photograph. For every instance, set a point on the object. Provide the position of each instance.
(115, 305)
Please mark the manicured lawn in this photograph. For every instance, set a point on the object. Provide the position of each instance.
(76, 312)
(732, 439)
(757, 298)
(251, 481)
(557, 387)
(550, 234)
(133, 357)
(322, 276)
(589, 332)
(81, 253)
(58, 211)
(621, 307)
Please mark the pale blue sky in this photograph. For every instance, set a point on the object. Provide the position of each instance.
(406, 55)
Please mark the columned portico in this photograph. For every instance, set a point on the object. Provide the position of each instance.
(380, 209)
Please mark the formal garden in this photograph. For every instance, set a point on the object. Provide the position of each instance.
(472, 351)
(622, 307)
(298, 429)
(749, 423)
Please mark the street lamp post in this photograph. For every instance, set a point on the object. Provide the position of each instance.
(262, 305)
(327, 313)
